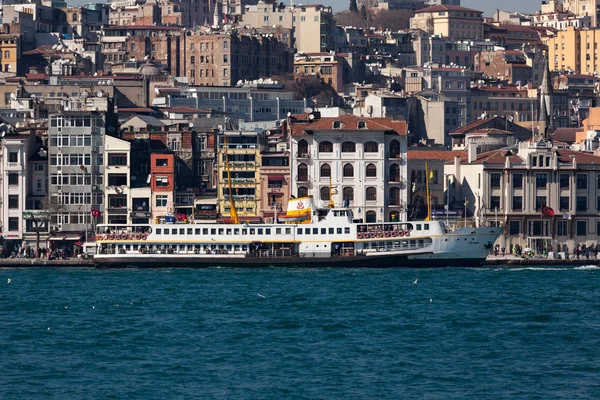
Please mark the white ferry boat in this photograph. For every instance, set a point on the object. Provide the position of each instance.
(304, 237)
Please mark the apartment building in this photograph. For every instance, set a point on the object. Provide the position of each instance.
(449, 21)
(117, 176)
(243, 151)
(17, 148)
(351, 159)
(76, 139)
(313, 24)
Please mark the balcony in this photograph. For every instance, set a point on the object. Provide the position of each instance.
(394, 155)
(302, 178)
(302, 155)
(13, 166)
(117, 210)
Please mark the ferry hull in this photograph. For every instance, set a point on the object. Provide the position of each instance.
(383, 261)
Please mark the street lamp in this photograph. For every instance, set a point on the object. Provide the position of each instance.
(447, 207)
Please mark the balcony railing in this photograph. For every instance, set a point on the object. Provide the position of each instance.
(241, 197)
(300, 155)
(117, 210)
(302, 178)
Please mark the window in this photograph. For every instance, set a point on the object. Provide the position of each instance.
(13, 179)
(561, 228)
(117, 159)
(162, 181)
(162, 162)
(38, 185)
(581, 228)
(13, 157)
(362, 125)
(517, 181)
(302, 148)
(348, 171)
(38, 166)
(161, 200)
(517, 203)
(325, 147)
(540, 201)
(495, 180)
(348, 194)
(371, 147)
(302, 191)
(371, 171)
(582, 203)
(582, 181)
(325, 195)
(325, 171)
(371, 194)
(564, 203)
(494, 202)
(302, 173)
(13, 201)
(514, 227)
(348, 147)
(13, 224)
(541, 181)
(564, 181)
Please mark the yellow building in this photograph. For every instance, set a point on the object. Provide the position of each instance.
(449, 21)
(243, 151)
(575, 50)
(10, 53)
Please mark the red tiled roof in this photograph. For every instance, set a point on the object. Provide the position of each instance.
(564, 156)
(490, 131)
(434, 154)
(36, 77)
(473, 125)
(136, 109)
(301, 124)
(150, 27)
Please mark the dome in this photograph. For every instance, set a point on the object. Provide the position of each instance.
(149, 69)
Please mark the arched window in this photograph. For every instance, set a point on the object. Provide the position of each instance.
(348, 171)
(325, 171)
(302, 191)
(394, 196)
(371, 147)
(348, 147)
(362, 125)
(302, 148)
(326, 147)
(394, 149)
(302, 173)
(325, 193)
(371, 171)
(348, 193)
(225, 44)
(394, 173)
(371, 194)
(337, 125)
(371, 216)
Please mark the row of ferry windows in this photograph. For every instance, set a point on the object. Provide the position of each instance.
(222, 231)
(246, 231)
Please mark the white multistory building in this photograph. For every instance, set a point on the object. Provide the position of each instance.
(361, 161)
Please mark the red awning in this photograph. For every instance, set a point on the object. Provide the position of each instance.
(269, 214)
(274, 178)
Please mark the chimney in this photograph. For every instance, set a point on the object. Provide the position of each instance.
(471, 151)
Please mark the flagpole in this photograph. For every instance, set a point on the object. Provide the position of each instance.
(465, 212)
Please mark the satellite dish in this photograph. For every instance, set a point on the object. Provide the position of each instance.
(133, 178)
(311, 117)
(308, 110)
(84, 94)
(13, 96)
(99, 93)
(191, 124)
(289, 114)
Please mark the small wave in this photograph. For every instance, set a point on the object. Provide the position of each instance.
(588, 267)
(537, 269)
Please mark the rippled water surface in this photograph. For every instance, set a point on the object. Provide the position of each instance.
(301, 334)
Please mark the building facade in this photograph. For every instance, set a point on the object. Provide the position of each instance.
(350, 159)
(449, 21)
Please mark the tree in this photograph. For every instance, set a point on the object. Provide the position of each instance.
(364, 14)
(39, 223)
(353, 6)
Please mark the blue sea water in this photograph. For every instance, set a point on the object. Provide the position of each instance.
(489, 333)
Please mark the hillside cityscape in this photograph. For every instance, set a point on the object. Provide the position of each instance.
(138, 112)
